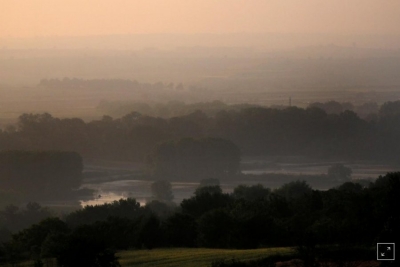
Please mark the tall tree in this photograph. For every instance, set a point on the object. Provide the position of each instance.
(193, 159)
(162, 191)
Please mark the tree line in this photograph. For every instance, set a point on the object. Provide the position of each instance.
(27, 176)
(249, 217)
(105, 84)
(192, 159)
(257, 131)
(368, 110)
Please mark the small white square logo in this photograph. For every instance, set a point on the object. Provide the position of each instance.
(385, 251)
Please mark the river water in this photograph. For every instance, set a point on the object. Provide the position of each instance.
(120, 186)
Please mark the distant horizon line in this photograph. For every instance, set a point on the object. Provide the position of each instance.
(205, 33)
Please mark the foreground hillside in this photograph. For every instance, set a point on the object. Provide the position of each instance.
(192, 256)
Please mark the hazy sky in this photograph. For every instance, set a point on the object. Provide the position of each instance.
(26, 18)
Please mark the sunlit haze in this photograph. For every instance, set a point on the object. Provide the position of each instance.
(29, 18)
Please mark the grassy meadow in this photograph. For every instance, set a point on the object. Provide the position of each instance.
(199, 257)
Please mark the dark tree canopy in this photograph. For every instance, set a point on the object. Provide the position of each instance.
(189, 159)
(251, 192)
(162, 191)
(331, 107)
(339, 172)
(336, 134)
(390, 109)
(294, 190)
(40, 175)
(293, 215)
(128, 208)
(208, 186)
(211, 189)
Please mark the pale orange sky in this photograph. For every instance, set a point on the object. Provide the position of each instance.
(27, 18)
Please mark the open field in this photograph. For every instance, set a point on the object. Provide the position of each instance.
(199, 257)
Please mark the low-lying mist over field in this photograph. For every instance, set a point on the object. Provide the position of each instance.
(68, 77)
(292, 112)
(307, 61)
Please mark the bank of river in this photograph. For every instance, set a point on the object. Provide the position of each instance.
(115, 181)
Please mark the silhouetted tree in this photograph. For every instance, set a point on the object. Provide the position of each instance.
(181, 230)
(163, 209)
(339, 172)
(162, 191)
(294, 190)
(41, 175)
(150, 234)
(124, 208)
(215, 229)
(189, 159)
(390, 108)
(251, 192)
(84, 247)
(201, 203)
(210, 190)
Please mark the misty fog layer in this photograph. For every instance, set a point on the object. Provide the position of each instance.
(199, 133)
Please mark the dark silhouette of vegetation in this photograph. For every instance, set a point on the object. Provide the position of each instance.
(14, 218)
(191, 159)
(84, 247)
(41, 175)
(162, 191)
(164, 110)
(390, 109)
(342, 224)
(339, 172)
(294, 190)
(181, 230)
(333, 107)
(128, 208)
(194, 147)
(254, 130)
(251, 193)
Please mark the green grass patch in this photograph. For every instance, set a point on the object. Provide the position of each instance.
(201, 257)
